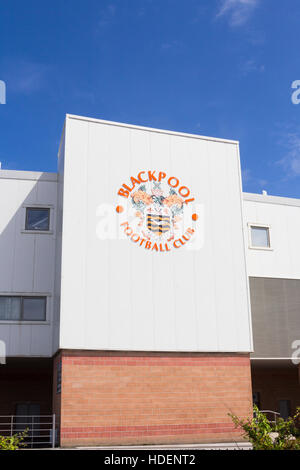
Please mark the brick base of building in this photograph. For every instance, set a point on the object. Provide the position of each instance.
(113, 398)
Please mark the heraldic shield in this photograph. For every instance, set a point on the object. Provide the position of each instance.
(158, 223)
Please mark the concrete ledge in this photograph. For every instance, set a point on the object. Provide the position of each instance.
(213, 446)
(28, 175)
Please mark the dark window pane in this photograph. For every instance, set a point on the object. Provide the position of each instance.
(34, 309)
(10, 308)
(256, 399)
(24, 418)
(285, 408)
(58, 378)
(37, 219)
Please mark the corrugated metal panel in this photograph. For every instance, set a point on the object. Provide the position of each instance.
(275, 305)
(27, 259)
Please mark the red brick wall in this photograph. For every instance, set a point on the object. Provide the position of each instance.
(130, 398)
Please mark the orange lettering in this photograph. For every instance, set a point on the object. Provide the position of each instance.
(189, 200)
(140, 178)
(176, 182)
(151, 176)
(123, 193)
(161, 176)
(134, 181)
(187, 193)
(135, 240)
(127, 187)
(175, 244)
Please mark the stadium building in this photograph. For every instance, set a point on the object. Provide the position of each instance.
(143, 295)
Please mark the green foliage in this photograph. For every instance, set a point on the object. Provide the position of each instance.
(14, 442)
(266, 435)
(297, 422)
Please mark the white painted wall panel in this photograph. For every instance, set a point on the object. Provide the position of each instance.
(74, 230)
(119, 296)
(58, 246)
(283, 260)
(24, 253)
(44, 259)
(26, 260)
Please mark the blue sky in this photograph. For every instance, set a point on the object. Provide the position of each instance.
(221, 68)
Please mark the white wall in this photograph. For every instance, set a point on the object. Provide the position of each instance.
(26, 259)
(58, 250)
(283, 216)
(119, 296)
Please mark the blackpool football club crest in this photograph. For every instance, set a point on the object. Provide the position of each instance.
(158, 204)
(159, 224)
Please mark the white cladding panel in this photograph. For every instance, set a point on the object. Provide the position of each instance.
(57, 269)
(26, 259)
(283, 260)
(117, 295)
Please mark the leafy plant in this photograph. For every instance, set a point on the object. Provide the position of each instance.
(13, 442)
(296, 419)
(266, 435)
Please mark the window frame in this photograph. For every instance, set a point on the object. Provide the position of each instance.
(37, 208)
(58, 377)
(259, 225)
(21, 319)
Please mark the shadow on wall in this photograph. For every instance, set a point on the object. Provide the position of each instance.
(26, 381)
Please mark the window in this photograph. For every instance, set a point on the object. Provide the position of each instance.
(58, 377)
(285, 409)
(260, 236)
(19, 308)
(28, 417)
(37, 218)
(256, 399)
